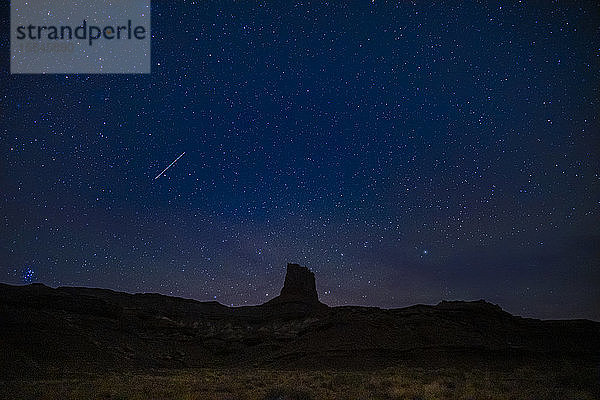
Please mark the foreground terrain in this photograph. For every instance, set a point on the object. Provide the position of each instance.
(79, 343)
(526, 382)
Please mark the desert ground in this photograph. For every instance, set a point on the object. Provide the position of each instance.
(566, 381)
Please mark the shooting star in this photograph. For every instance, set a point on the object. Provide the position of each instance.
(170, 165)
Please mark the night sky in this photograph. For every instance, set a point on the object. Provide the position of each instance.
(405, 152)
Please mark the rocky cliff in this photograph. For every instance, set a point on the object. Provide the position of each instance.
(46, 331)
(299, 287)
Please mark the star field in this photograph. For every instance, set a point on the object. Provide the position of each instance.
(405, 152)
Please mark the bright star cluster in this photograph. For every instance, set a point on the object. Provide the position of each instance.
(406, 152)
(28, 275)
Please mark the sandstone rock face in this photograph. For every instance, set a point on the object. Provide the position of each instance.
(299, 285)
(95, 330)
(299, 293)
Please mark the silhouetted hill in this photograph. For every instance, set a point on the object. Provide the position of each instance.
(54, 331)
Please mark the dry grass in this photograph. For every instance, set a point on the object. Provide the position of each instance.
(558, 382)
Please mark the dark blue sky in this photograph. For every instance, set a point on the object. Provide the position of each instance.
(405, 152)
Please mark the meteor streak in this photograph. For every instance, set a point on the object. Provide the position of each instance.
(170, 165)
